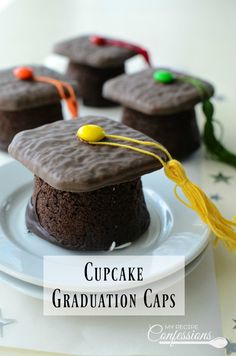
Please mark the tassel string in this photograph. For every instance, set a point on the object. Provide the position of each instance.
(26, 73)
(70, 100)
(102, 41)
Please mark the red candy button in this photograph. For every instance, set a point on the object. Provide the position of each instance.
(23, 73)
(97, 40)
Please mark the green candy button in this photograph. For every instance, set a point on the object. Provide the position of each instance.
(163, 76)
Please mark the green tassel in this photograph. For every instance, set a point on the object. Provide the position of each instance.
(213, 145)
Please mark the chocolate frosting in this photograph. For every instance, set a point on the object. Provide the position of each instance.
(141, 92)
(24, 94)
(33, 225)
(81, 50)
(54, 153)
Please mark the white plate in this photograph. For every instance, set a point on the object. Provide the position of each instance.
(174, 230)
(34, 291)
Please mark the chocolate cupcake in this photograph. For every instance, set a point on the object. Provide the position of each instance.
(161, 104)
(29, 99)
(85, 197)
(93, 60)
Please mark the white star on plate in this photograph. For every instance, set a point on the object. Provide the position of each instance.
(4, 322)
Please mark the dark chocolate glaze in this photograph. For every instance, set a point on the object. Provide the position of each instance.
(33, 225)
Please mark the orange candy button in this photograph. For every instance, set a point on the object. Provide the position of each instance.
(23, 73)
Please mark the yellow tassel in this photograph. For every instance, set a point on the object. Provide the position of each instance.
(199, 202)
(197, 199)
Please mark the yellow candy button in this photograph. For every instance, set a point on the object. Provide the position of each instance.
(91, 133)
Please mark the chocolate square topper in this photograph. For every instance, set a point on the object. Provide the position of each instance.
(97, 51)
(18, 94)
(143, 93)
(54, 153)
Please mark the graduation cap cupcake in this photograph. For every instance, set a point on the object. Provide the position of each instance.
(85, 197)
(30, 97)
(95, 59)
(161, 104)
(87, 189)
